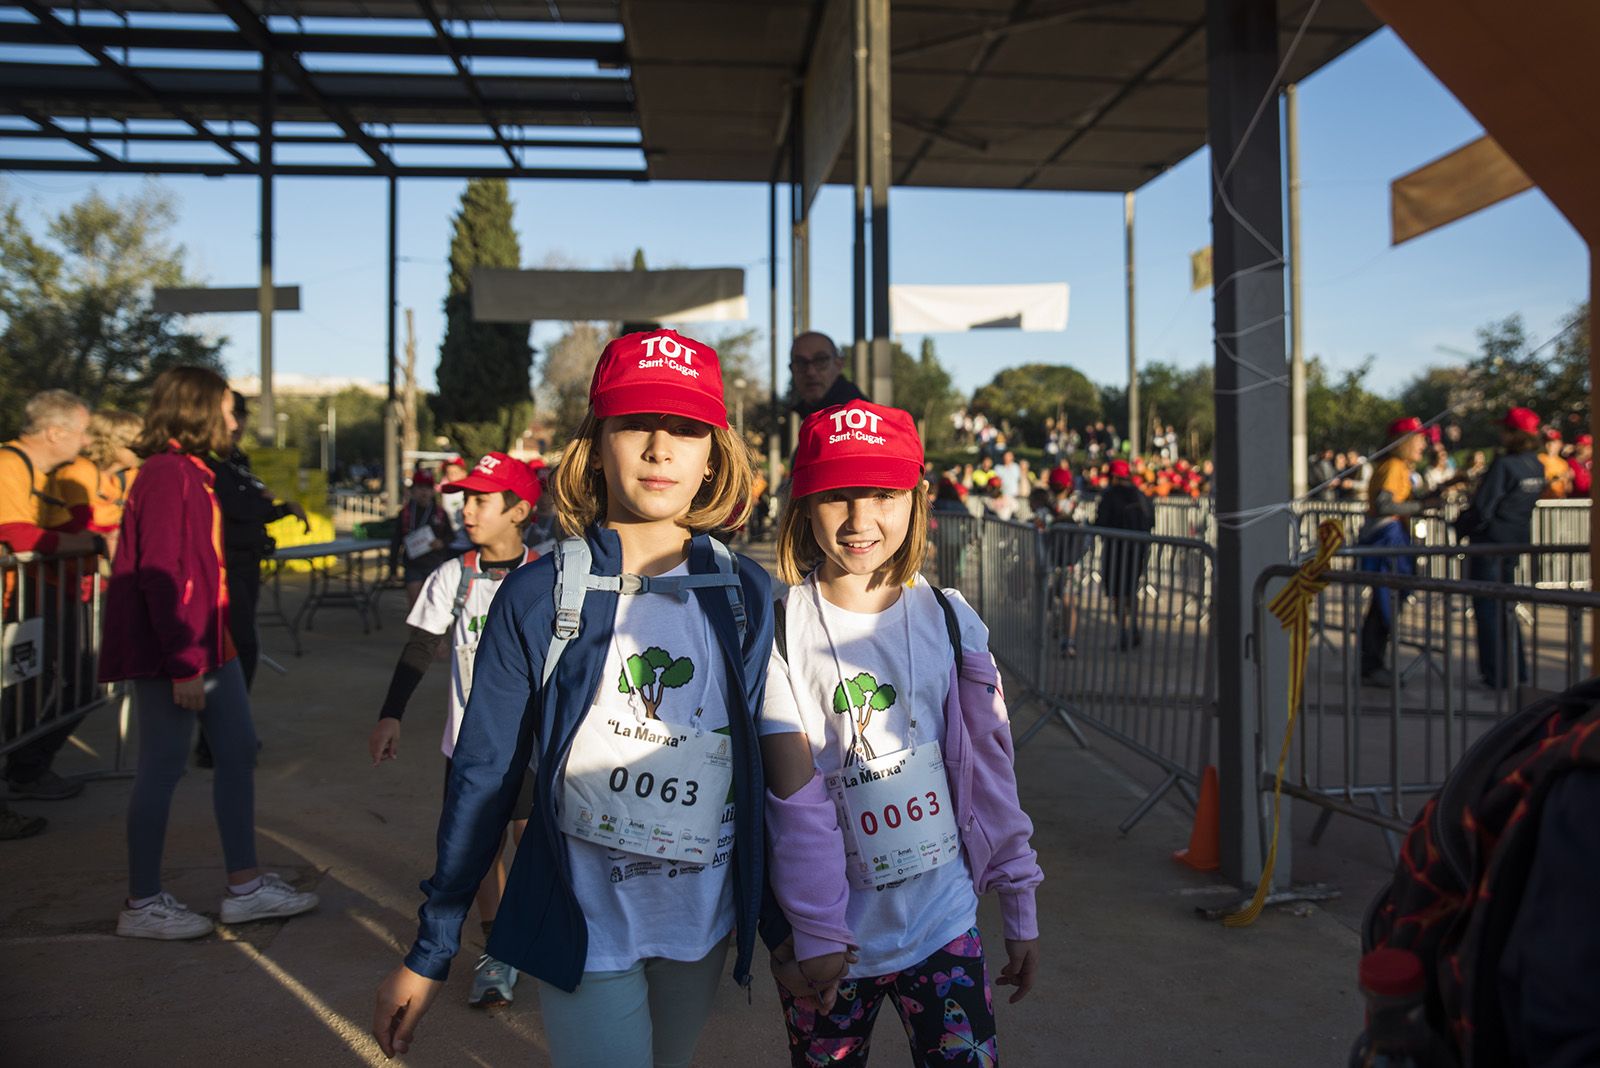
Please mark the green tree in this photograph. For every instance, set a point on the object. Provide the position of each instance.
(861, 697)
(484, 395)
(1026, 396)
(651, 674)
(1342, 411)
(75, 303)
(924, 388)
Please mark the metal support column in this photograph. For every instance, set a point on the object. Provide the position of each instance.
(881, 389)
(775, 413)
(266, 410)
(1252, 441)
(391, 413)
(1133, 360)
(799, 226)
(860, 367)
(1299, 455)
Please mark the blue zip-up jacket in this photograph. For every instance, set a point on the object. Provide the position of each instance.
(511, 719)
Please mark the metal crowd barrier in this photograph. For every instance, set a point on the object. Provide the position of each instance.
(1461, 653)
(50, 626)
(1108, 628)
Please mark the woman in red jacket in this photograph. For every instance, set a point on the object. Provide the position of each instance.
(166, 630)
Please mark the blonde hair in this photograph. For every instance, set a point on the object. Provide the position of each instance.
(110, 431)
(798, 551)
(722, 503)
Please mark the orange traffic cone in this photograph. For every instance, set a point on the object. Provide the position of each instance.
(1203, 854)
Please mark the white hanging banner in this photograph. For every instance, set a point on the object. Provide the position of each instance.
(957, 309)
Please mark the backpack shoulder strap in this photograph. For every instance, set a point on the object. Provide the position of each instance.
(572, 585)
(780, 627)
(725, 566)
(952, 625)
(34, 491)
(469, 571)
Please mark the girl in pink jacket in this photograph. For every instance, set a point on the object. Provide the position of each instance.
(892, 802)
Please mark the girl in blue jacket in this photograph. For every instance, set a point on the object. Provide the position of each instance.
(623, 672)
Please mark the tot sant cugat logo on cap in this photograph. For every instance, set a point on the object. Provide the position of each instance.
(663, 351)
(857, 423)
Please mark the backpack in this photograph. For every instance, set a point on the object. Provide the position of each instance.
(33, 490)
(573, 583)
(1464, 864)
(470, 573)
(952, 625)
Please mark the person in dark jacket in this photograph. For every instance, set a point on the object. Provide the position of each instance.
(247, 507)
(1124, 507)
(1501, 513)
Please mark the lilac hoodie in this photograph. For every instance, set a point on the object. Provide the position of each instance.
(979, 759)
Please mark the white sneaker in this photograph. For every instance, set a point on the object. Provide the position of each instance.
(273, 899)
(165, 918)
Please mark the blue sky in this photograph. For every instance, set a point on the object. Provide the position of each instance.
(1371, 116)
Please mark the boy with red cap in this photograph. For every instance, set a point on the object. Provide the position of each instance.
(497, 503)
(879, 848)
(1390, 504)
(1582, 451)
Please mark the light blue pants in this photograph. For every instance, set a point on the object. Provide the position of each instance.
(646, 1016)
(165, 734)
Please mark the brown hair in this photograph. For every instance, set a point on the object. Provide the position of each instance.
(110, 430)
(186, 407)
(798, 551)
(721, 503)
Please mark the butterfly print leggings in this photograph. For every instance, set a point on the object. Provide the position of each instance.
(945, 1003)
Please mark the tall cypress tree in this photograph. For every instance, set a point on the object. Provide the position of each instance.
(484, 368)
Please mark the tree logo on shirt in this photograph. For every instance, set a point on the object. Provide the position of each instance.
(860, 697)
(650, 674)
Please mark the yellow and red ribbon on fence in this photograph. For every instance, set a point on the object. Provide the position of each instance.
(1292, 606)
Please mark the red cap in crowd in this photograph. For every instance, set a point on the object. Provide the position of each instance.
(1406, 424)
(659, 371)
(1552, 434)
(1523, 419)
(857, 444)
(497, 472)
(1435, 434)
(1060, 478)
(1584, 439)
(1119, 469)
(422, 478)
(456, 461)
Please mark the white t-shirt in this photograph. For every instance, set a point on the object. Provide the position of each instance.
(432, 613)
(903, 923)
(637, 907)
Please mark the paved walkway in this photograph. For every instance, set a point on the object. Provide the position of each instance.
(1130, 977)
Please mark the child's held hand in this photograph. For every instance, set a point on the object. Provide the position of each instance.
(402, 999)
(384, 741)
(1022, 965)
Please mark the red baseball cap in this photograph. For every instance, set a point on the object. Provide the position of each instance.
(857, 444)
(496, 472)
(1406, 424)
(1119, 469)
(422, 478)
(1584, 439)
(1060, 478)
(1523, 419)
(659, 371)
(455, 461)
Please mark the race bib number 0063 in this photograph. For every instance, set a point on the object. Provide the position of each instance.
(647, 788)
(897, 816)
